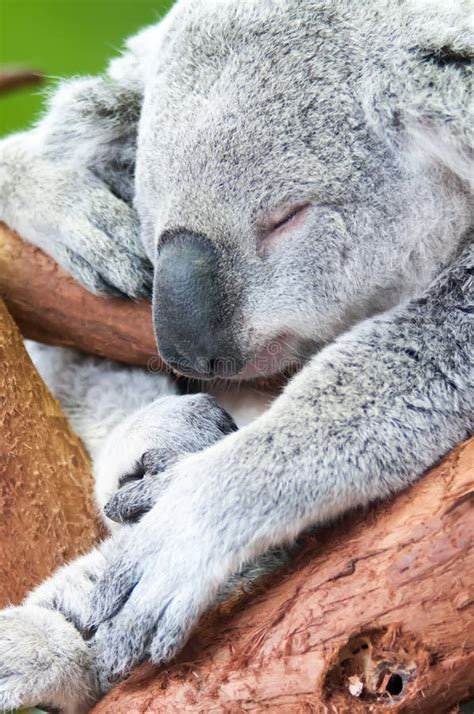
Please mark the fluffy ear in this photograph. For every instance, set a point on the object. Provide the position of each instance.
(424, 84)
(441, 124)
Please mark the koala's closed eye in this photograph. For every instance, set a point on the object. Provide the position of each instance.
(280, 221)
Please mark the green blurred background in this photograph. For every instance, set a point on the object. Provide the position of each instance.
(63, 38)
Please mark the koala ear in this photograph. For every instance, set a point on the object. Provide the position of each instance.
(419, 91)
(439, 111)
(448, 55)
(442, 32)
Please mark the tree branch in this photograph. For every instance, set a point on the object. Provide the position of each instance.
(377, 612)
(16, 78)
(49, 306)
(47, 514)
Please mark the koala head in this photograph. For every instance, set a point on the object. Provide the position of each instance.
(275, 214)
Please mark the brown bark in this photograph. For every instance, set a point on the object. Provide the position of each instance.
(377, 611)
(46, 511)
(16, 78)
(50, 307)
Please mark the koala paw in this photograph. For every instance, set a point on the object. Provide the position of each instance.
(44, 661)
(75, 218)
(97, 239)
(163, 572)
(132, 469)
(166, 569)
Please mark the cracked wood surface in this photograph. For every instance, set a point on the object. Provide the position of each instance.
(47, 515)
(376, 614)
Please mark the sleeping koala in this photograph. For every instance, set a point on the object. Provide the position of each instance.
(135, 425)
(291, 178)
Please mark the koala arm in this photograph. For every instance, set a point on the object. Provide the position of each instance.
(315, 454)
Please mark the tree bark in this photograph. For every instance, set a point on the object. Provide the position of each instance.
(47, 515)
(377, 614)
(50, 307)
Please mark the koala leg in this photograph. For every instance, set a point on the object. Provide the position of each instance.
(44, 662)
(45, 658)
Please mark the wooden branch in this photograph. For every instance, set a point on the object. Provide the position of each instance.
(16, 78)
(378, 611)
(46, 511)
(50, 307)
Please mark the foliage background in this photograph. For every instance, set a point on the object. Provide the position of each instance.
(63, 38)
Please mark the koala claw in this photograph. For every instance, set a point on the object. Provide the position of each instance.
(89, 231)
(142, 609)
(135, 499)
(103, 261)
(146, 445)
(136, 284)
(155, 635)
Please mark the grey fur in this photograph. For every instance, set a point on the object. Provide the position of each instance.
(191, 425)
(361, 113)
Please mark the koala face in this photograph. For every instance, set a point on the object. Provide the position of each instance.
(275, 216)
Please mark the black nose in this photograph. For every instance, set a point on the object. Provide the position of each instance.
(191, 308)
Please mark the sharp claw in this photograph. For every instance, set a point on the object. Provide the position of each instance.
(117, 511)
(128, 505)
(112, 512)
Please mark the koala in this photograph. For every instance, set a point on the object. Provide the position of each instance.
(135, 425)
(291, 180)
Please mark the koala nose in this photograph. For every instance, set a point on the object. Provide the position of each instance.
(189, 307)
